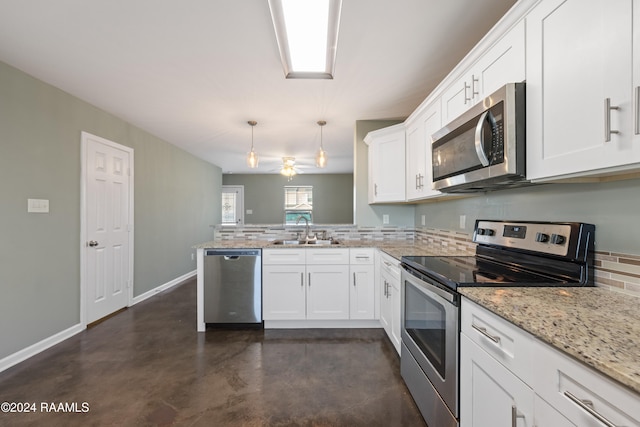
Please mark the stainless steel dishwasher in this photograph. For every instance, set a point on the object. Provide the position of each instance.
(233, 287)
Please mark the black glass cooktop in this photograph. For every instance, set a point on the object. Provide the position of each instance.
(456, 271)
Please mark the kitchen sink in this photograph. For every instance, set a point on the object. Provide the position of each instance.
(306, 242)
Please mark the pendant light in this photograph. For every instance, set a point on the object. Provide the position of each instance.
(252, 156)
(321, 155)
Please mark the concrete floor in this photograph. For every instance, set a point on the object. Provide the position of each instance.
(148, 366)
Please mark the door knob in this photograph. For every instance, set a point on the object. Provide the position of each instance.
(92, 243)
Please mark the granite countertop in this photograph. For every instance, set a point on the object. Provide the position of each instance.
(598, 327)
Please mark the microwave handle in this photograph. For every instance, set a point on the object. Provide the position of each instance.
(482, 156)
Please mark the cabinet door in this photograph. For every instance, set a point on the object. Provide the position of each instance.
(416, 160)
(503, 63)
(459, 97)
(396, 302)
(419, 183)
(387, 167)
(283, 292)
(385, 304)
(362, 292)
(490, 395)
(328, 292)
(578, 56)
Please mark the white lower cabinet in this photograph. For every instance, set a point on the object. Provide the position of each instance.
(390, 300)
(490, 394)
(284, 293)
(327, 292)
(362, 294)
(510, 378)
(318, 284)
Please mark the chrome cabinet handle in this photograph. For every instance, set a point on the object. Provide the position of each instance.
(515, 415)
(637, 110)
(92, 243)
(375, 189)
(479, 142)
(309, 279)
(466, 98)
(587, 405)
(474, 92)
(302, 279)
(484, 332)
(354, 279)
(607, 119)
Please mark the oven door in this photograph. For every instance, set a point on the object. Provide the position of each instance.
(430, 331)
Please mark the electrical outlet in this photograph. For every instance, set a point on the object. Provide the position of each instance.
(424, 220)
(463, 221)
(385, 219)
(193, 256)
(38, 205)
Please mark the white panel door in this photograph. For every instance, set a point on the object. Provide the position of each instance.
(283, 292)
(108, 246)
(362, 299)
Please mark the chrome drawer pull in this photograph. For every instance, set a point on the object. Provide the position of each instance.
(637, 110)
(484, 332)
(587, 405)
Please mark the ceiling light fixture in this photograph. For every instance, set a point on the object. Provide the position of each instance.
(288, 167)
(252, 156)
(307, 36)
(321, 155)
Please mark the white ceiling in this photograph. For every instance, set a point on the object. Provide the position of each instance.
(193, 72)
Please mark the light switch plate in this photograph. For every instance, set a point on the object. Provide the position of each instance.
(38, 205)
(249, 211)
(463, 221)
(424, 220)
(385, 219)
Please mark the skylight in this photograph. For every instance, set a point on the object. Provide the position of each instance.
(307, 35)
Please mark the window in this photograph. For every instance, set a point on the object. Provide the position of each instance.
(298, 201)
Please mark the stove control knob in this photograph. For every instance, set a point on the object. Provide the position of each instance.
(480, 231)
(558, 239)
(490, 232)
(542, 237)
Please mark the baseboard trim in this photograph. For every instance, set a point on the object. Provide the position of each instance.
(168, 285)
(306, 324)
(32, 350)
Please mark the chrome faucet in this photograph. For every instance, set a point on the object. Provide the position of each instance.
(306, 227)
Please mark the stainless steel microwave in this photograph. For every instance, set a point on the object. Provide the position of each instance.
(483, 149)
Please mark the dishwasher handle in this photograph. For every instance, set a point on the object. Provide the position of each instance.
(232, 253)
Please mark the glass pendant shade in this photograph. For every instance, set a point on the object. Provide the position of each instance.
(252, 156)
(252, 159)
(321, 158)
(321, 155)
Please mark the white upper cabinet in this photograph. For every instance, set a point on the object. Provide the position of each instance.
(581, 100)
(386, 164)
(503, 63)
(419, 177)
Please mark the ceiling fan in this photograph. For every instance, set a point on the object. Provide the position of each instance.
(289, 168)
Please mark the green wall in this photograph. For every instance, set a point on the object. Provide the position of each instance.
(614, 207)
(366, 214)
(176, 200)
(264, 195)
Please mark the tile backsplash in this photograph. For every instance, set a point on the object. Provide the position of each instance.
(614, 271)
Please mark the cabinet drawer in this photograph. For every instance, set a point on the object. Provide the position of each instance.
(361, 256)
(283, 256)
(507, 343)
(580, 393)
(328, 256)
(390, 265)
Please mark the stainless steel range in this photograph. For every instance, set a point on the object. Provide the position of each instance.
(508, 253)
